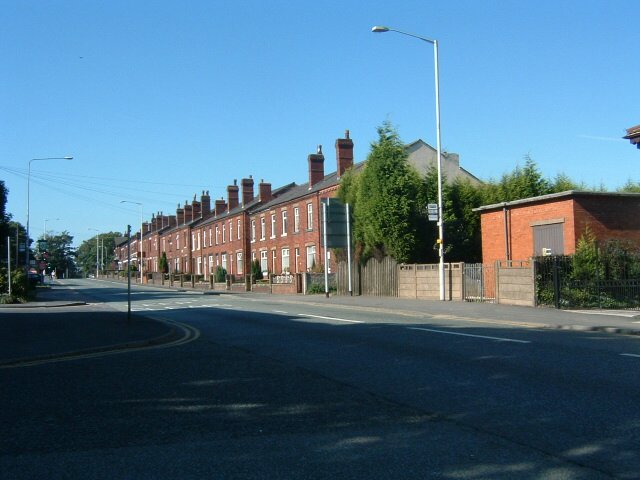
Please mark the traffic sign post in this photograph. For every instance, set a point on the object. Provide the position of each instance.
(337, 232)
(432, 212)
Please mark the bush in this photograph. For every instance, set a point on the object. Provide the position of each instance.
(256, 270)
(5, 299)
(220, 275)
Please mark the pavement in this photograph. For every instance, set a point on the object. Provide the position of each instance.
(72, 327)
(75, 326)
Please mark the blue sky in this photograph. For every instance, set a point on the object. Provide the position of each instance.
(160, 100)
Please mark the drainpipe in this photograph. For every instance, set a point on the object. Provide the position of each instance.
(505, 212)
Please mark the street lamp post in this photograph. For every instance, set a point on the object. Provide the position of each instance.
(29, 200)
(141, 232)
(97, 250)
(381, 29)
(44, 235)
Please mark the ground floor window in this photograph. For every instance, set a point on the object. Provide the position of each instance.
(285, 260)
(239, 266)
(264, 265)
(311, 257)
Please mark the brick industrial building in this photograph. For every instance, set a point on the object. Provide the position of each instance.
(553, 224)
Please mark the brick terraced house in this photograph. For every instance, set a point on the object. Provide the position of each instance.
(279, 227)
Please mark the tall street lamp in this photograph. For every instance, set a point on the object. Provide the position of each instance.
(29, 199)
(44, 235)
(380, 29)
(97, 250)
(141, 222)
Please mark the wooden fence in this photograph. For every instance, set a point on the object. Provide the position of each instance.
(375, 278)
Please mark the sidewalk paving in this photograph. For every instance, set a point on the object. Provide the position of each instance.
(27, 335)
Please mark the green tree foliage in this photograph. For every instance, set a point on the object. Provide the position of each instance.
(388, 200)
(586, 259)
(220, 274)
(562, 183)
(60, 255)
(523, 182)
(630, 187)
(86, 253)
(163, 263)
(463, 239)
(4, 217)
(256, 270)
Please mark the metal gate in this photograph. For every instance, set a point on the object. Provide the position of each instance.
(479, 283)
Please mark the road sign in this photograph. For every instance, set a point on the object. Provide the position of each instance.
(432, 212)
(336, 223)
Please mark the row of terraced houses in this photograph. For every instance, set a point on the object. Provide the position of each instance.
(281, 227)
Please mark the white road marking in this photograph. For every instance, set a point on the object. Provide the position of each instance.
(630, 355)
(500, 339)
(280, 311)
(329, 318)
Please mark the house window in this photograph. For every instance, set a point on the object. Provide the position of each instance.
(263, 261)
(211, 264)
(230, 262)
(309, 216)
(311, 257)
(193, 242)
(274, 256)
(199, 266)
(224, 233)
(178, 242)
(239, 266)
(230, 230)
(217, 235)
(285, 260)
(253, 230)
(296, 220)
(262, 228)
(285, 223)
(273, 225)
(297, 251)
(210, 237)
(224, 261)
(239, 229)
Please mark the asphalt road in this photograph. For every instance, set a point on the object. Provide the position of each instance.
(275, 387)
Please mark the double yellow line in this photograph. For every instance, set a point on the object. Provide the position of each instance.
(189, 334)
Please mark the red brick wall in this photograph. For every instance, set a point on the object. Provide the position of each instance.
(608, 217)
(520, 230)
(616, 217)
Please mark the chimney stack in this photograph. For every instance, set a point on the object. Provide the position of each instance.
(344, 153)
(205, 202)
(316, 167)
(196, 208)
(264, 190)
(221, 207)
(180, 215)
(247, 191)
(232, 195)
(188, 212)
